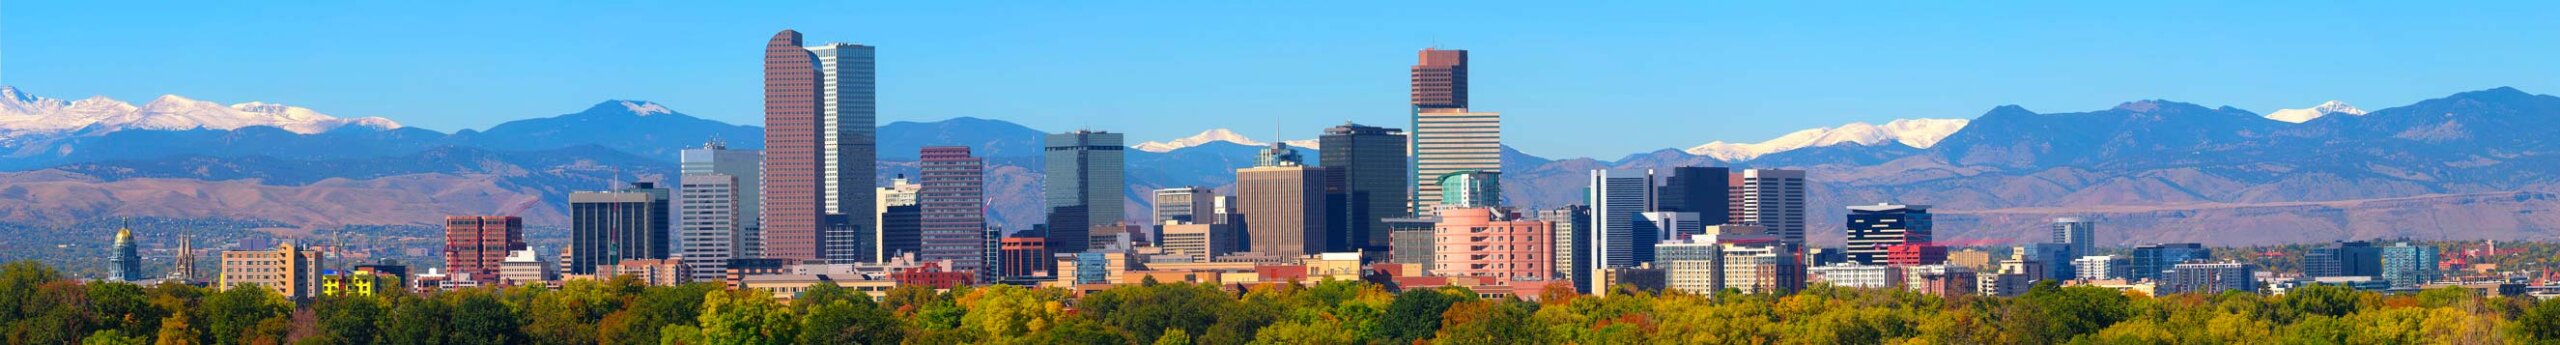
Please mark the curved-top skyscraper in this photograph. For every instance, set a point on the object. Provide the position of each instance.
(820, 150)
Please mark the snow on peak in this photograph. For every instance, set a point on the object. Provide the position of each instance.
(1917, 133)
(645, 108)
(2314, 112)
(1209, 136)
(22, 114)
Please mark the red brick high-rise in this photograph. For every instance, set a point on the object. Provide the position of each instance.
(794, 211)
(476, 244)
(1440, 79)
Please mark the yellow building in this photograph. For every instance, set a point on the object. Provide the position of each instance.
(357, 284)
(291, 271)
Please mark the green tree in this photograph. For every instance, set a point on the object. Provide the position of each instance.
(479, 318)
(234, 315)
(1151, 310)
(112, 337)
(2323, 300)
(349, 320)
(656, 308)
(2051, 314)
(2540, 324)
(416, 320)
(124, 307)
(737, 318)
(1414, 315)
(849, 321)
(1487, 322)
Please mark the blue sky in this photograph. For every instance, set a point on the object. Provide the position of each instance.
(1572, 78)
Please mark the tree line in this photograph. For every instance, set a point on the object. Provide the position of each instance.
(40, 306)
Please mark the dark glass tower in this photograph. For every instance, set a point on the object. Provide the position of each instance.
(1364, 184)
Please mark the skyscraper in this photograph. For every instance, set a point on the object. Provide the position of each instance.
(1470, 188)
(291, 270)
(1446, 136)
(1186, 205)
(1440, 79)
(1697, 189)
(1283, 204)
(2078, 236)
(1573, 247)
(820, 149)
(2149, 260)
(126, 265)
(1874, 229)
(477, 245)
(746, 167)
(953, 209)
(608, 227)
(1774, 199)
(2406, 265)
(1619, 198)
(2343, 259)
(1364, 173)
(1084, 186)
(708, 223)
(1486, 242)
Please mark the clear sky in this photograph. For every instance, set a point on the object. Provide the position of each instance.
(1572, 78)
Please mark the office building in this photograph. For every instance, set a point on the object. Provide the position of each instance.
(1186, 205)
(2100, 267)
(1771, 198)
(1488, 242)
(608, 227)
(1025, 254)
(478, 245)
(1619, 198)
(651, 272)
(900, 218)
(709, 222)
(2208, 278)
(1913, 254)
(820, 149)
(1200, 242)
(1440, 79)
(1857, 276)
(1942, 280)
(746, 168)
(1660, 226)
(292, 271)
(1573, 247)
(126, 264)
(1691, 265)
(952, 208)
(1084, 186)
(2408, 265)
(1702, 190)
(523, 267)
(1873, 228)
(1365, 178)
(1470, 188)
(2078, 237)
(1283, 204)
(2055, 258)
(2149, 260)
(1452, 140)
(2343, 259)
(1762, 267)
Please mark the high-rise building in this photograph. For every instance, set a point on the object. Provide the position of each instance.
(1084, 187)
(821, 149)
(1661, 226)
(1763, 267)
(1365, 175)
(1200, 242)
(1413, 239)
(2407, 265)
(1186, 205)
(708, 222)
(1283, 204)
(745, 166)
(1915, 254)
(1697, 189)
(290, 270)
(2149, 260)
(953, 208)
(1693, 266)
(2054, 258)
(2100, 267)
(2078, 236)
(2343, 259)
(1619, 198)
(524, 267)
(2208, 278)
(1446, 136)
(1025, 254)
(126, 265)
(1573, 247)
(1873, 228)
(1470, 188)
(1771, 198)
(478, 245)
(608, 227)
(901, 228)
(1488, 242)
(1440, 79)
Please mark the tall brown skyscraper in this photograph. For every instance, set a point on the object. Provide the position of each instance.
(954, 208)
(476, 244)
(794, 210)
(1440, 79)
(1284, 204)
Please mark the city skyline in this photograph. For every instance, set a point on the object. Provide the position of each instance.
(1761, 71)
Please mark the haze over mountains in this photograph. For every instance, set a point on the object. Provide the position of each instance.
(2471, 165)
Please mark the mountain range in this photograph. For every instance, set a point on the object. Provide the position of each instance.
(2472, 165)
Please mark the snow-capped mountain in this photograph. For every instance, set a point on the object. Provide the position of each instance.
(22, 114)
(2306, 114)
(1916, 133)
(1210, 136)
